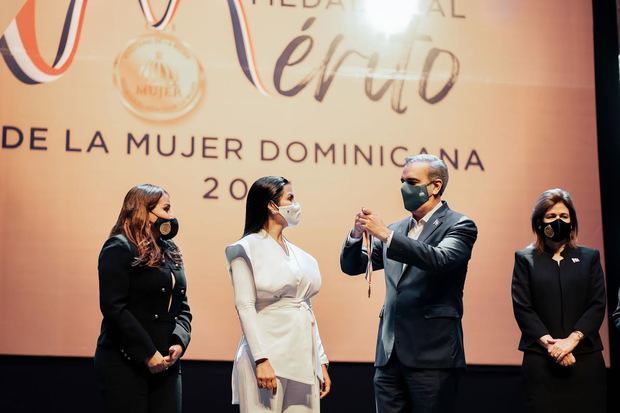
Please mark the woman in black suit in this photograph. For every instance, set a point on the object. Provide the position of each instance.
(558, 295)
(146, 319)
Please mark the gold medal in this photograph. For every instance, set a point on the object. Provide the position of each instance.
(158, 77)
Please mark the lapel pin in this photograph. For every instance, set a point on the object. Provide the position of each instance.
(575, 260)
(436, 222)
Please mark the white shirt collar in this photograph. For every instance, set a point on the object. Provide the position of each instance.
(428, 215)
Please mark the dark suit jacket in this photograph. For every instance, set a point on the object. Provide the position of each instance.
(421, 316)
(134, 303)
(557, 300)
(616, 315)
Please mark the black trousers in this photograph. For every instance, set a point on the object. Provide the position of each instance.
(553, 388)
(128, 387)
(400, 389)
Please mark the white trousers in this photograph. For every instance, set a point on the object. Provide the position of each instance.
(291, 396)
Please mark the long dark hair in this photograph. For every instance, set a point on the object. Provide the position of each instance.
(263, 191)
(133, 223)
(545, 201)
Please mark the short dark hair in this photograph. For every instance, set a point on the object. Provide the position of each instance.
(545, 201)
(263, 191)
(437, 168)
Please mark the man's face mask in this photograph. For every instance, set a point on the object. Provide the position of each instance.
(414, 196)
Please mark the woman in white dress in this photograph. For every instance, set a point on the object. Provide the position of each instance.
(280, 365)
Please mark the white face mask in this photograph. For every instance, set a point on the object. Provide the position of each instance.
(291, 213)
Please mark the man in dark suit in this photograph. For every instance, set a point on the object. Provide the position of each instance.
(616, 315)
(419, 355)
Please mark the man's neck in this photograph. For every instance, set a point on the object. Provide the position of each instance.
(421, 212)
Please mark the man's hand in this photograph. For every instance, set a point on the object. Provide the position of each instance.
(357, 230)
(371, 222)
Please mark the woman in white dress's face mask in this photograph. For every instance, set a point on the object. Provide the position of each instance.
(288, 211)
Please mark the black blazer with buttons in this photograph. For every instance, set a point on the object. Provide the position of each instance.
(557, 299)
(134, 302)
(421, 317)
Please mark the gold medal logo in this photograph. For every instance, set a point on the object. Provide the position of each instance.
(158, 77)
(165, 228)
(549, 231)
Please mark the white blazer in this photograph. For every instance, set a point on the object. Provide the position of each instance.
(272, 297)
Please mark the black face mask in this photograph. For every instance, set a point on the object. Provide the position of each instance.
(557, 230)
(414, 196)
(166, 228)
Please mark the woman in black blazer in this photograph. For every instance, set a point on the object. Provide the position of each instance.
(146, 319)
(558, 296)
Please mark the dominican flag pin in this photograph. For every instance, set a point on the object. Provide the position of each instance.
(436, 222)
(575, 260)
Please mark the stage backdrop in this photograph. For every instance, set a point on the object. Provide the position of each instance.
(204, 97)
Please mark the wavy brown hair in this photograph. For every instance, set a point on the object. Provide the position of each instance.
(545, 201)
(133, 223)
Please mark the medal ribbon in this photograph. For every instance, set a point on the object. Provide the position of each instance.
(368, 244)
(147, 10)
(18, 44)
(244, 45)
